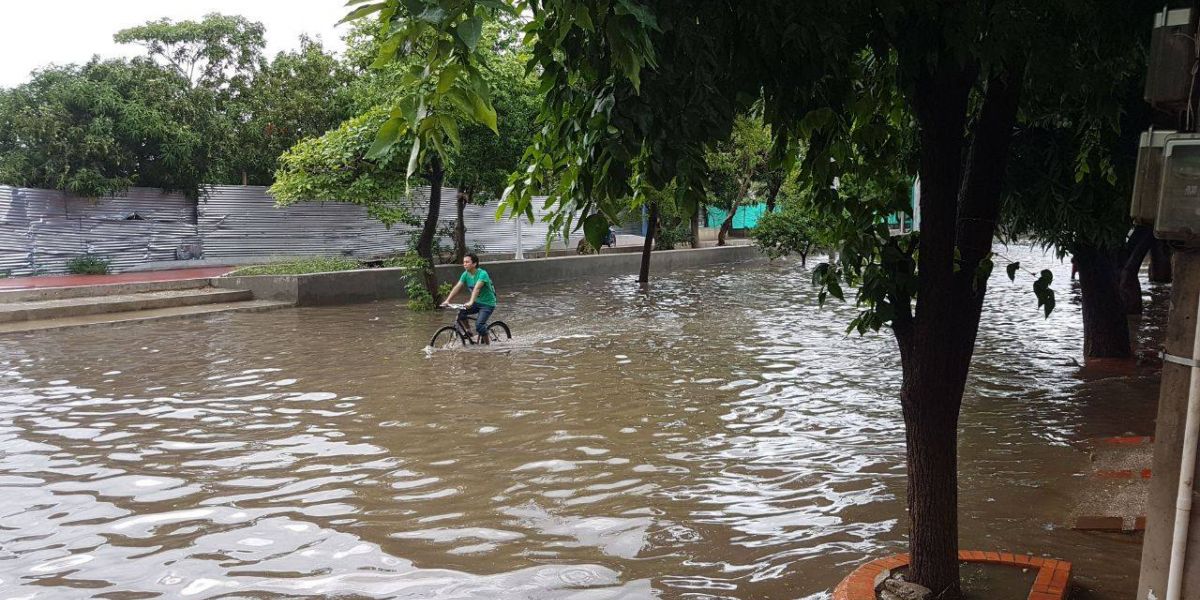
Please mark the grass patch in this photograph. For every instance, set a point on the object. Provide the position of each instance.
(88, 264)
(300, 266)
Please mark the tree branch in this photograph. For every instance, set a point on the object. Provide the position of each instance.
(983, 179)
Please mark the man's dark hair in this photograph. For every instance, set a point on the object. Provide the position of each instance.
(474, 258)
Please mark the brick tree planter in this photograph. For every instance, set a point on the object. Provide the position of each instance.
(1053, 576)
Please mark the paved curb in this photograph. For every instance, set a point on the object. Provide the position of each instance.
(1052, 582)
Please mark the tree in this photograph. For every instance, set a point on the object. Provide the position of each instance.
(263, 107)
(96, 129)
(638, 89)
(674, 222)
(215, 53)
(483, 162)
(423, 114)
(299, 94)
(1074, 155)
(334, 167)
(738, 165)
(485, 153)
(796, 229)
(201, 107)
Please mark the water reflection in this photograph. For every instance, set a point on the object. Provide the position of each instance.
(718, 437)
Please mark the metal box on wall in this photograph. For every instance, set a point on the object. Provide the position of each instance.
(1172, 53)
(1179, 199)
(1148, 177)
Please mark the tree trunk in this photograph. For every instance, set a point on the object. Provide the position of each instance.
(930, 398)
(696, 225)
(1105, 327)
(727, 225)
(648, 245)
(1160, 262)
(1139, 243)
(436, 176)
(959, 209)
(460, 226)
(773, 192)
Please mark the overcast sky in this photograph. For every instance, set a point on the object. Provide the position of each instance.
(36, 34)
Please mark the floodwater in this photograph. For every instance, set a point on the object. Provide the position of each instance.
(720, 437)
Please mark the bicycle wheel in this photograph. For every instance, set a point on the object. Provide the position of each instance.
(498, 331)
(446, 337)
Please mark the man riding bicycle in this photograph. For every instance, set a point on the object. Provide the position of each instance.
(483, 297)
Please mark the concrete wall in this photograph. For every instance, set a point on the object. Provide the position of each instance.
(1168, 442)
(366, 285)
(509, 273)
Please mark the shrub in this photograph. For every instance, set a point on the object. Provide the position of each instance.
(89, 264)
(792, 230)
(668, 238)
(414, 268)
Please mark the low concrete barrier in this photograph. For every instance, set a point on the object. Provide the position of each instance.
(316, 289)
(366, 285)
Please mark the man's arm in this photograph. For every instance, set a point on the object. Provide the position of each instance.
(453, 292)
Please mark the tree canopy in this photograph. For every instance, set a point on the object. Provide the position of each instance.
(214, 52)
(202, 106)
(98, 128)
(298, 94)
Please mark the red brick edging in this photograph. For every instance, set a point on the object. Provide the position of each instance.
(1051, 583)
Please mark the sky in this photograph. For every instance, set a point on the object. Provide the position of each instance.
(36, 34)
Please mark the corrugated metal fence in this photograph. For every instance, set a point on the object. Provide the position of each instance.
(40, 230)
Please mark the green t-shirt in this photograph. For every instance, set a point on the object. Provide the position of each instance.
(487, 296)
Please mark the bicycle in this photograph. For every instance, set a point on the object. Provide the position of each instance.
(446, 336)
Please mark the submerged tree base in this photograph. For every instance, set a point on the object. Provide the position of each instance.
(1038, 578)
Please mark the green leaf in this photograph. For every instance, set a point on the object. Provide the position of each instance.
(595, 229)
(387, 51)
(387, 137)
(638, 11)
(583, 17)
(414, 157)
(982, 272)
(469, 31)
(1045, 295)
(451, 128)
(362, 11)
(446, 79)
(460, 98)
(1012, 270)
(434, 14)
(835, 289)
(484, 112)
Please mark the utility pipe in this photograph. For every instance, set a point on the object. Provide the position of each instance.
(1187, 475)
(520, 255)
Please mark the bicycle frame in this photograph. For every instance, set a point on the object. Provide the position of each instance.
(464, 328)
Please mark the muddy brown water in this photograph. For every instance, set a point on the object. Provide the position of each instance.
(720, 437)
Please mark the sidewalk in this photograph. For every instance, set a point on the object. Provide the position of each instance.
(54, 281)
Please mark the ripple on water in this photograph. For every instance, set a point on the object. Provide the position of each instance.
(698, 441)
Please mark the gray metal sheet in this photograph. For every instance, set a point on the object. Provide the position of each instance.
(40, 230)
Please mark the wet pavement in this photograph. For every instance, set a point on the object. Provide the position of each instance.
(720, 437)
